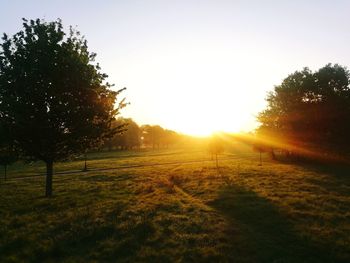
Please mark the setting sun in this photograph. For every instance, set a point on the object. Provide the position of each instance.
(196, 91)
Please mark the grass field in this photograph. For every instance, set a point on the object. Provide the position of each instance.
(129, 208)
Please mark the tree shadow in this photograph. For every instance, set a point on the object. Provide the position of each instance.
(268, 235)
(333, 177)
(85, 237)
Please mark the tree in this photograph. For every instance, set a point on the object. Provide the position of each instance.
(216, 146)
(152, 135)
(8, 153)
(262, 147)
(114, 141)
(7, 156)
(170, 138)
(128, 138)
(147, 135)
(155, 136)
(133, 134)
(309, 109)
(53, 97)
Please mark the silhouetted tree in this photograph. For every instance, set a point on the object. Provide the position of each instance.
(116, 140)
(309, 109)
(8, 154)
(128, 138)
(157, 135)
(152, 135)
(53, 98)
(170, 138)
(216, 146)
(147, 135)
(133, 134)
(262, 147)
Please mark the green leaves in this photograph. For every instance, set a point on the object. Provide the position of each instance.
(310, 108)
(52, 96)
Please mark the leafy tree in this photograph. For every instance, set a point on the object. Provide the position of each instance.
(128, 138)
(115, 140)
(152, 135)
(309, 109)
(155, 136)
(53, 97)
(133, 134)
(146, 135)
(170, 138)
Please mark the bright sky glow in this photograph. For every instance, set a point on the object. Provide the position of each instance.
(199, 66)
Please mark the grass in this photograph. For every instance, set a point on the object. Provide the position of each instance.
(182, 212)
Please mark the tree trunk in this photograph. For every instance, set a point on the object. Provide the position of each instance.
(273, 156)
(49, 172)
(260, 164)
(85, 164)
(5, 167)
(217, 163)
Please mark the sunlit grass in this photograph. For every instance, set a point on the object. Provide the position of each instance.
(243, 212)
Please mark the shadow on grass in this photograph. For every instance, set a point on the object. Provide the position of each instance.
(333, 176)
(267, 233)
(339, 171)
(83, 240)
(337, 174)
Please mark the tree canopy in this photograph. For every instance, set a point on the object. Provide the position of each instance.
(128, 138)
(155, 136)
(53, 96)
(310, 108)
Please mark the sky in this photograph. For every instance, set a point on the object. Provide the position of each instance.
(198, 66)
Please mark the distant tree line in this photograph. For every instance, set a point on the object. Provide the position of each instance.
(308, 113)
(133, 136)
